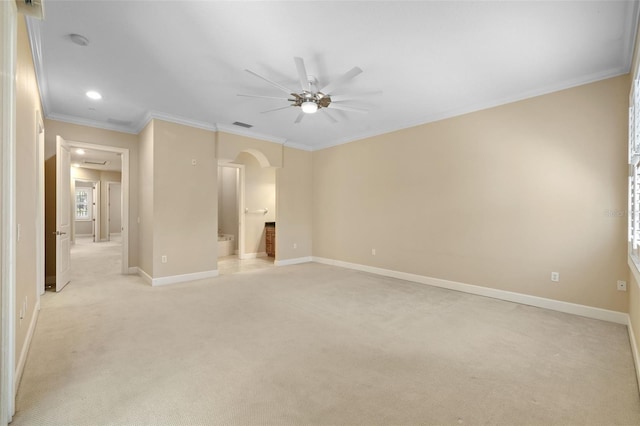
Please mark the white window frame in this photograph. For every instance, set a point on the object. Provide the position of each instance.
(634, 174)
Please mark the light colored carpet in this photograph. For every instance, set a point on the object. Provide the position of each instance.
(314, 344)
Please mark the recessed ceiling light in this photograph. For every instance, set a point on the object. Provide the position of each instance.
(80, 151)
(92, 94)
(78, 39)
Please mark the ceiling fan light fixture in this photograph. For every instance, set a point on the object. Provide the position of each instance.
(309, 107)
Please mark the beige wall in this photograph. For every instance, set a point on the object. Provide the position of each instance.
(293, 189)
(78, 133)
(185, 204)
(498, 198)
(294, 205)
(27, 106)
(259, 193)
(102, 177)
(228, 146)
(145, 218)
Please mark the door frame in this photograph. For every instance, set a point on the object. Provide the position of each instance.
(8, 52)
(40, 236)
(108, 209)
(95, 209)
(124, 156)
(240, 203)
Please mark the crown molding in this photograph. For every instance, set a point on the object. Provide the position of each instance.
(467, 109)
(90, 123)
(235, 130)
(35, 39)
(151, 115)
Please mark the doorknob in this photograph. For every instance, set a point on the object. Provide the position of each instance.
(59, 233)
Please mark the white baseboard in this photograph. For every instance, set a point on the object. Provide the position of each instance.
(253, 255)
(174, 279)
(295, 261)
(133, 270)
(146, 277)
(525, 299)
(24, 351)
(634, 348)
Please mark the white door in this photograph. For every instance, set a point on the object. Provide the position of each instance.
(63, 212)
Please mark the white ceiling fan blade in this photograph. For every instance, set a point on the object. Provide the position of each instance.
(354, 96)
(328, 115)
(264, 97)
(340, 80)
(346, 108)
(276, 109)
(302, 74)
(273, 83)
(300, 117)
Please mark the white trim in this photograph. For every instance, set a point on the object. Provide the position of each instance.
(40, 213)
(302, 147)
(246, 256)
(25, 347)
(134, 270)
(125, 193)
(33, 29)
(466, 109)
(146, 277)
(241, 131)
(89, 123)
(524, 299)
(240, 177)
(9, 28)
(174, 279)
(294, 261)
(634, 349)
(633, 266)
(151, 115)
(108, 210)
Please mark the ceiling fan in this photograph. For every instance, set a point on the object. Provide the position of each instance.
(312, 98)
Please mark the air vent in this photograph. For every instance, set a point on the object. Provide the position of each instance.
(95, 163)
(245, 125)
(119, 122)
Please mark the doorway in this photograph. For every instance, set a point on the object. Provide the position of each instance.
(114, 211)
(103, 167)
(246, 204)
(86, 209)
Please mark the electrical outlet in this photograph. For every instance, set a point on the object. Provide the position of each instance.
(373, 251)
(622, 285)
(555, 277)
(164, 259)
(295, 245)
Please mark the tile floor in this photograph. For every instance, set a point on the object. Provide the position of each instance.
(232, 265)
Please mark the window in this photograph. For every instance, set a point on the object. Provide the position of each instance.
(84, 204)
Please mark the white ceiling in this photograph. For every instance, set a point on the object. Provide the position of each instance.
(184, 61)
(86, 158)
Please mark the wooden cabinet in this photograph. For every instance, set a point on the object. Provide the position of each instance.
(270, 228)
